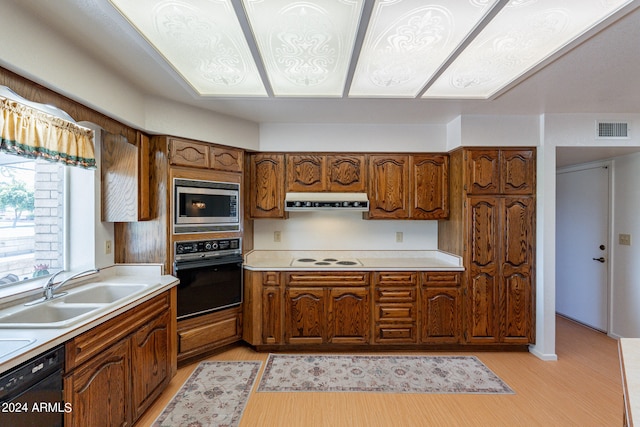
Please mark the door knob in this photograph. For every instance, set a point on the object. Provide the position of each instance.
(601, 259)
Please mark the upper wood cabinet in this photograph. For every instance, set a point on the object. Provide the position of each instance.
(202, 155)
(332, 172)
(124, 169)
(500, 171)
(409, 186)
(266, 186)
(388, 186)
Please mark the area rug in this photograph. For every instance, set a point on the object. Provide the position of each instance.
(214, 395)
(384, 374)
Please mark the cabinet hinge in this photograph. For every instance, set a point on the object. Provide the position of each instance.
(466, 336)
(465, 187)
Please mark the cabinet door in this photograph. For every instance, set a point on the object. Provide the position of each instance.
(482, 291)
(517, 171)
(347, 173)
(188, 153)
(99, 390)
(150, 362)
(305, 316)
(430, 185)
(306, 173)
(517, 266)
(226, 159)
(483, 171)
(266, 189)
(348, 316)
(271, 315)
(389, 187)
(441, 315)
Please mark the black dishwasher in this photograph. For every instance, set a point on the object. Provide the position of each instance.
(31, 394)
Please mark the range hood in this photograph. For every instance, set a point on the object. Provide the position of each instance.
(358, 202)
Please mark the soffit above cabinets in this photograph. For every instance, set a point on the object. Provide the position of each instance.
(459, 49)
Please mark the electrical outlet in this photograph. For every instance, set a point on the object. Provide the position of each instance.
(277, 236)
(107, 247)
(624, 239)
(399, 236)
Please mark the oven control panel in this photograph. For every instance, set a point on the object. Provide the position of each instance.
(208, 247)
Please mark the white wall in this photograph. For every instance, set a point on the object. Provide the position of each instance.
(625, 292)
(353, 137)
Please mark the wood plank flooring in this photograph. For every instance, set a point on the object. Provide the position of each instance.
(583, 388)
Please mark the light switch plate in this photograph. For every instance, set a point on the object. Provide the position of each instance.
(277, 236)
(624, 239)
(399, 236)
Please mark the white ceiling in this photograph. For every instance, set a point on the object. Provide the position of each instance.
(598, 75)
(586, 79)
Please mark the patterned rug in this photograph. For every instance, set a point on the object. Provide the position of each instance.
(214, 395)
(384, 374)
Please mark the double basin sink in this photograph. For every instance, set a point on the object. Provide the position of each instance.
(78, 304)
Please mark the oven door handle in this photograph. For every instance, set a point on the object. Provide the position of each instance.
(209, 262)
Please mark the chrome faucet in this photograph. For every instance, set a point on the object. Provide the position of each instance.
(49, 287)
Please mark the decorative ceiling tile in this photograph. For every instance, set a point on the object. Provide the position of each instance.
(306, 46)
(522, 35)
(202, 40)
(407, 42)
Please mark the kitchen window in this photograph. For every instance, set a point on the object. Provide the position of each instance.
(33, 209)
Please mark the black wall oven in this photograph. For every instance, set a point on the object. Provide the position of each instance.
(210, 273)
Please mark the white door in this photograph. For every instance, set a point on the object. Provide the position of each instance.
(582, 227)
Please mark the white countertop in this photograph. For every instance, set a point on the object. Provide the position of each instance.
(48, 338)
(630, 367)
(428, 260)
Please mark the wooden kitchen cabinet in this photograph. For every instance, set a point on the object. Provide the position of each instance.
(321, 308)
(115, 370)
(395, 305)
(492, 226)
(326, 172)
(124, 170)
(500, 171)
(266, 186)
(429, 186)
(388, 187)
(441, 307)
(202, 155)
(409, 186)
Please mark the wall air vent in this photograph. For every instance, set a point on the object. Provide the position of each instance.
(612, 130)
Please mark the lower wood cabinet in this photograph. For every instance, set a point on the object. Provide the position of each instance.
(116, 370)
(208, 332)
(322, 308)
(396, 308)
(441, 307)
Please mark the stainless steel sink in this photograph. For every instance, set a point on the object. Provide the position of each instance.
(103, 293)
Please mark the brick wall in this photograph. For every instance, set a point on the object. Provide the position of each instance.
(48, 215)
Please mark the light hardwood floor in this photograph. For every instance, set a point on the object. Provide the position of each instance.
(583, 388)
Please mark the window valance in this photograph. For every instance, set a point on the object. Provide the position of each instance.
(35, 130)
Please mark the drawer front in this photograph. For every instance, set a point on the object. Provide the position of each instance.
(208, 334)
(396, 278)
(394, 334)
(395, 313)
(395, 294)
(439, 279)
(327, 279)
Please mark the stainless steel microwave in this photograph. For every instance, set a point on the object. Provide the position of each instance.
(205, 206)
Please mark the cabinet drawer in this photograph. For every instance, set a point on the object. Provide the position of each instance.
(396, 333)
(395, 295)
(395, 312)
(396, 278)
(208, 334)
(327, 279)
(441, 279)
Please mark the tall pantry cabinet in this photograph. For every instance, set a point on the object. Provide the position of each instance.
(492, 226)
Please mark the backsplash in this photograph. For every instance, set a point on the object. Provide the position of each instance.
(343, 231)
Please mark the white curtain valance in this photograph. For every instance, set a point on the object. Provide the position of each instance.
(36, 130)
